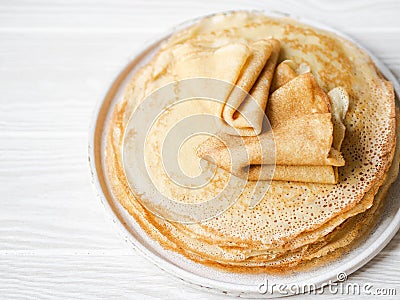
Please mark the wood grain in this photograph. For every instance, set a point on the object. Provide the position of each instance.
(56, 60)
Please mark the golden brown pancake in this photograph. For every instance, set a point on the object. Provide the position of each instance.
(306, 136)
(295, 223)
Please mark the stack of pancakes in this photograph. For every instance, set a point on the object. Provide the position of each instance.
(298, 222)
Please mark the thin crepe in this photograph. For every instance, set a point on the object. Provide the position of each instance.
(247, 67)
(302, 137)
(240, 111)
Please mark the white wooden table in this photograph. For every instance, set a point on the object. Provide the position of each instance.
(56, 60)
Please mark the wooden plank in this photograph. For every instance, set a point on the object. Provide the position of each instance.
(115, 275)
(156, 14)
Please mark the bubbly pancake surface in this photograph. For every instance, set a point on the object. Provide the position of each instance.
(294, 220)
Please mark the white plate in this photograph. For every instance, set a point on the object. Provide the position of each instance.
(208, 278)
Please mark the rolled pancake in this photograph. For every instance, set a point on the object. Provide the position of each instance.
(288, 209)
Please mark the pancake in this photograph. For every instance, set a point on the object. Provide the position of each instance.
(235, 113)
(301, 154)
(295, 223)
(284, 72)
(248, 67)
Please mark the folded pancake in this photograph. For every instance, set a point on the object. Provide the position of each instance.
(284, 72)
(302, 142)
(240, 111)
(248, 66)
(296, 223)
(300, 96)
